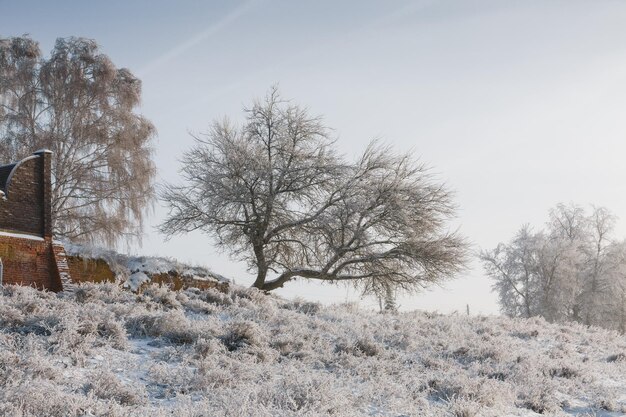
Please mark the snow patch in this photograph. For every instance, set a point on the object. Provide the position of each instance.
(135, 280)
(22, 236)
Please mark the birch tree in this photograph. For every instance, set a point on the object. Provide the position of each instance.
(274, 192)
(79, 105)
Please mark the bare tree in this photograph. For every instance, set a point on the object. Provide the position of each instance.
(79, 105)
(278, 197)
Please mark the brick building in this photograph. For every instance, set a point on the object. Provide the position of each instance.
(28, 254)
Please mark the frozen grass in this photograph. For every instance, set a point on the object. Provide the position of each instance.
(104, 351)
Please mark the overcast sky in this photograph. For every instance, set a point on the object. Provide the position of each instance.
(517, 105)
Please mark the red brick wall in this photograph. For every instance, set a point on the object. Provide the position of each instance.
(29, 262)
(24, 209)
(89, 270)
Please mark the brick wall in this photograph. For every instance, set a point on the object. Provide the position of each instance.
(27, 205)
(89, 270)
(28, 261)
(28, 254)
(99, 271)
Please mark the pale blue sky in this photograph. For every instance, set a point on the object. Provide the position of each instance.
(518, 105)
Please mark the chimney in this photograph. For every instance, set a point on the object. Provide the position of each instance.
(46, 180)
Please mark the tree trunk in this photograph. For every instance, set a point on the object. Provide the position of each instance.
(261, 265)
(260, 278)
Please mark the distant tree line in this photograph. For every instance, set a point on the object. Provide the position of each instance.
(574, 269)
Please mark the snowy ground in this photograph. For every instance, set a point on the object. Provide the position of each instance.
(108, 352)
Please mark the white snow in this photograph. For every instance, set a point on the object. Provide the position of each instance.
(22, 236)
(136, 279)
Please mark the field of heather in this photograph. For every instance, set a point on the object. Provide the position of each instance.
(105, 351)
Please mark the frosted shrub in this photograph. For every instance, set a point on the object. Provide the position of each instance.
(107, 386)
(244, 334)
(305, 395)
(198, 306)
(105, 326)
(211, 375)
(175, 328)
(38, 325)
(172, 326)
(302, 306)
(38, 366)
(608, 404)
(245, 293)
(463, 407)
(141, 324)
(213, 296)
(39, 398)
(107, 293)
(162, 296)
(457, 385)
(170, 381)
(563, 372)
(539, 397)
(228, 372)
(10, 317)
(362, 347)
(288, 346)
(206, 347)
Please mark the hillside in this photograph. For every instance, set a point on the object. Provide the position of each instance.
(105, 351)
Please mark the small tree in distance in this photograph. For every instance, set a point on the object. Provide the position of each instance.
(276, 195)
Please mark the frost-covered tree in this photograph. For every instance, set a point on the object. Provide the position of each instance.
(514, 267)
(617, 290)
(574, 270)
(79, 105)
(599, 266)
(568, 231)
(275, 193)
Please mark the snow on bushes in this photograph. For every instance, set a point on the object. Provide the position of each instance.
(104, 351)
